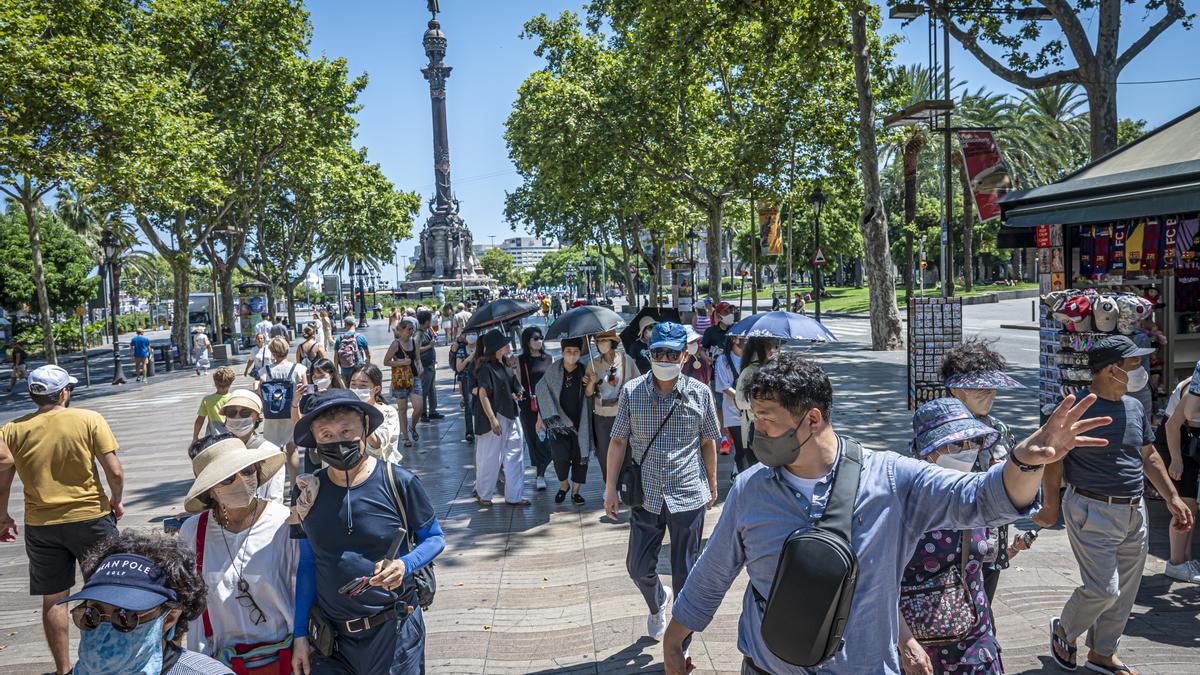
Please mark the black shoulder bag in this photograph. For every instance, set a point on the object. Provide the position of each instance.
(806, 613)
(423, 578)
(629, 483)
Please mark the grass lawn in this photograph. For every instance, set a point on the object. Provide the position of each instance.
(849, 299)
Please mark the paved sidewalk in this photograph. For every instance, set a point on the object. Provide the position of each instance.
(543, 589)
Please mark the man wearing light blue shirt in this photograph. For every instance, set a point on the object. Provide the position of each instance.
(899, 499)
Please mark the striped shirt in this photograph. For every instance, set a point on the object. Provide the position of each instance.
(673, 470)
(702, 322)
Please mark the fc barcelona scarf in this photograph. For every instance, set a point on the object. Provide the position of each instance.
(1151, 241)
(1185, 239)
(1086, 241)
(1100, 241)
(1116, 263)
(1169, 253)
(1133, 247)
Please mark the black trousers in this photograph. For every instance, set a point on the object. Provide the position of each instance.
(602, 431)
(539, 450)
(569, 461)
(743, 455)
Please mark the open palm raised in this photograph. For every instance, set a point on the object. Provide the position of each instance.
(1063, 431)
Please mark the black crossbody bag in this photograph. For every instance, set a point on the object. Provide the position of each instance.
(806, 613)
(629, 483)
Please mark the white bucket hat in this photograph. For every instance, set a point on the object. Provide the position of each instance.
(224, 459)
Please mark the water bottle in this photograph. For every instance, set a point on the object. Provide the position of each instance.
(541, 435)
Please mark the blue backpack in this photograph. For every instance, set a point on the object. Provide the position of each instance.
(277, 394)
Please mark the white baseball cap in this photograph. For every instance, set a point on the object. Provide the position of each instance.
(46, 380)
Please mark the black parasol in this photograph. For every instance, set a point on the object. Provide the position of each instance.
(582, 321)
(497, 312)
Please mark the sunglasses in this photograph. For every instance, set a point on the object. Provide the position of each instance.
(237, 412)
(536, 338)
(663, 354)
(248, 471)
(87, 617)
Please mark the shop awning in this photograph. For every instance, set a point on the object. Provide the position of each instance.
(1158, 174)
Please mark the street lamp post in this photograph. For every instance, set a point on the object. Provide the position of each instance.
(362, 294)
(111, 247)
(817, 201)
(693, 237)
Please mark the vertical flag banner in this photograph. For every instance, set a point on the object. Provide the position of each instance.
(986, 171)
(775, 235)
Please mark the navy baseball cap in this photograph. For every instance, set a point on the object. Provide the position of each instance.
(1114, 348)
(128, 581)
(668, 334)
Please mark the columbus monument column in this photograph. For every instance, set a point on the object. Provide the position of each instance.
(445, 254)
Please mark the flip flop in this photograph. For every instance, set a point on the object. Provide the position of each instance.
(1061, 643)
(1115, 670)
(483, 502)
(523, 502)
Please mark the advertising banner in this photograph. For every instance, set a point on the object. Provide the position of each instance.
(986, 170)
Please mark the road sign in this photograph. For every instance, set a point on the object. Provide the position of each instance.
(819, 257)
(80, 311)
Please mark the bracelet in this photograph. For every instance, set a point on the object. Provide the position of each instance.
(1025, 468)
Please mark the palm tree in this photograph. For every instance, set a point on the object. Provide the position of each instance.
(913, 84)
(90, 218)
(981, 109)
(1049, 134)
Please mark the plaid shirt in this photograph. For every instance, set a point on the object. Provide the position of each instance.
(673, 470)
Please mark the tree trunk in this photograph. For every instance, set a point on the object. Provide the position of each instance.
(181, 265)
(912, 154)
(753, 258)
(225, 279)
(858, 273)
(289, 295)
(271, 310)
(29, 204)
(885, 317)
(968, 232)
(716, 216)
(1102, 113)
(630, 277)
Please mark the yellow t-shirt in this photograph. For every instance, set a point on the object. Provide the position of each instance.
(211, 407)
(55, 454)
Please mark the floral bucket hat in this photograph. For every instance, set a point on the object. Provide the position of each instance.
(943, 421)
(982, 379)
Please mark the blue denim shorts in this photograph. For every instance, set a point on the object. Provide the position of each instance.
(415, 390)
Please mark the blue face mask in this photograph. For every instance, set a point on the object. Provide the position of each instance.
(107, 651)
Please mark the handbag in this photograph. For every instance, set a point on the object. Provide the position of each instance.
(941, 610)
(402, 376)
(423, 577)
(811, 594)
(629, 483)
(533, 406)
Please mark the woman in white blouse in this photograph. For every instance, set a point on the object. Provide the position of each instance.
(367, 383)
(246, 557)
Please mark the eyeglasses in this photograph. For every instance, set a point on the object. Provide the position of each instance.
(88, 617)
(664, 354)
(237, 412)
(248, 471)
(246, 600)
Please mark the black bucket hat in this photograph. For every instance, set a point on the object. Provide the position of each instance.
(493, 341)
(333, 398)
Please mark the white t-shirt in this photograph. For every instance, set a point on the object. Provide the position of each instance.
(280, 371)
(805, 486)
(263, 327)
(272, 490)
(725, 379)
(1176, 395)
(266, 557)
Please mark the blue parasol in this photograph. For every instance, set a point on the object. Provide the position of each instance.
(784, 326)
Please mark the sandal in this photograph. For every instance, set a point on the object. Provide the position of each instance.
(415, 437)
(482, 502)
(523, 502)
(407, 443)
(1058, 643)
(1107, 670)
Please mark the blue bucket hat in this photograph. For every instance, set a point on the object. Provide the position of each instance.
(943, 421)
(333, 398)
(668, 334)
(128, 581)
(982, 379)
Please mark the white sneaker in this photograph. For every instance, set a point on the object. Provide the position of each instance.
(656, 623)
(540, 483)
(1187, 571)
(1195, 565)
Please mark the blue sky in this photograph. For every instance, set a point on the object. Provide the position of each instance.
(490, 61)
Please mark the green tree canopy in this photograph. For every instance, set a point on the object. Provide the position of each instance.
(67, 264)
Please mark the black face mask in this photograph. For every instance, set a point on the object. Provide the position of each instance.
(343, 455)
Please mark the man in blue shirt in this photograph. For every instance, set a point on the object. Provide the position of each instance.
(1104, 512)
(668, 424)
(139, 349)
(350, 527)
(899, 499)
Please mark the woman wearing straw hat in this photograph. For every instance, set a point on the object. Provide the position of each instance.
(201, 349)
(499, 441)
(243, 417)
(945, 616)
(246, 557)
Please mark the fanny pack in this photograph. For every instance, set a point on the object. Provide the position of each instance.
(805, 615)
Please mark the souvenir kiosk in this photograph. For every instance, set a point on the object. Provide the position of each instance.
(1118, 246)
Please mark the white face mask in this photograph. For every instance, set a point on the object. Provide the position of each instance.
(239, 426)
(960, 461)
(323, 383)
(693, 348)
(363, 395)
(1138, 379)
(236, 495)
(665, 371)
(727, 319)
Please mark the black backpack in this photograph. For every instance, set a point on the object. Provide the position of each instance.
(277, 395)
(806, 613)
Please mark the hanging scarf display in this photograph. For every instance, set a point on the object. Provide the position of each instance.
(1151, 241)
(1133, 247)
(1086, 241)
(1116, 263)
(1170, 255)
(1100, 244)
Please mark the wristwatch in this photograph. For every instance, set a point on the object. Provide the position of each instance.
(1025, 468)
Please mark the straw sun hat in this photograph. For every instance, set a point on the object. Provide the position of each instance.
(224, 459)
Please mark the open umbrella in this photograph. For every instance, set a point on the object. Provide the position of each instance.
(585, 320)
(660, 314)
(783, 325)
(497, 312)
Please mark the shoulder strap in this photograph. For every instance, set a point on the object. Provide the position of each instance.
(839, 510)
(395, 491)
(966, 536)
(201, 530)
(291, 371)
(674, 402)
